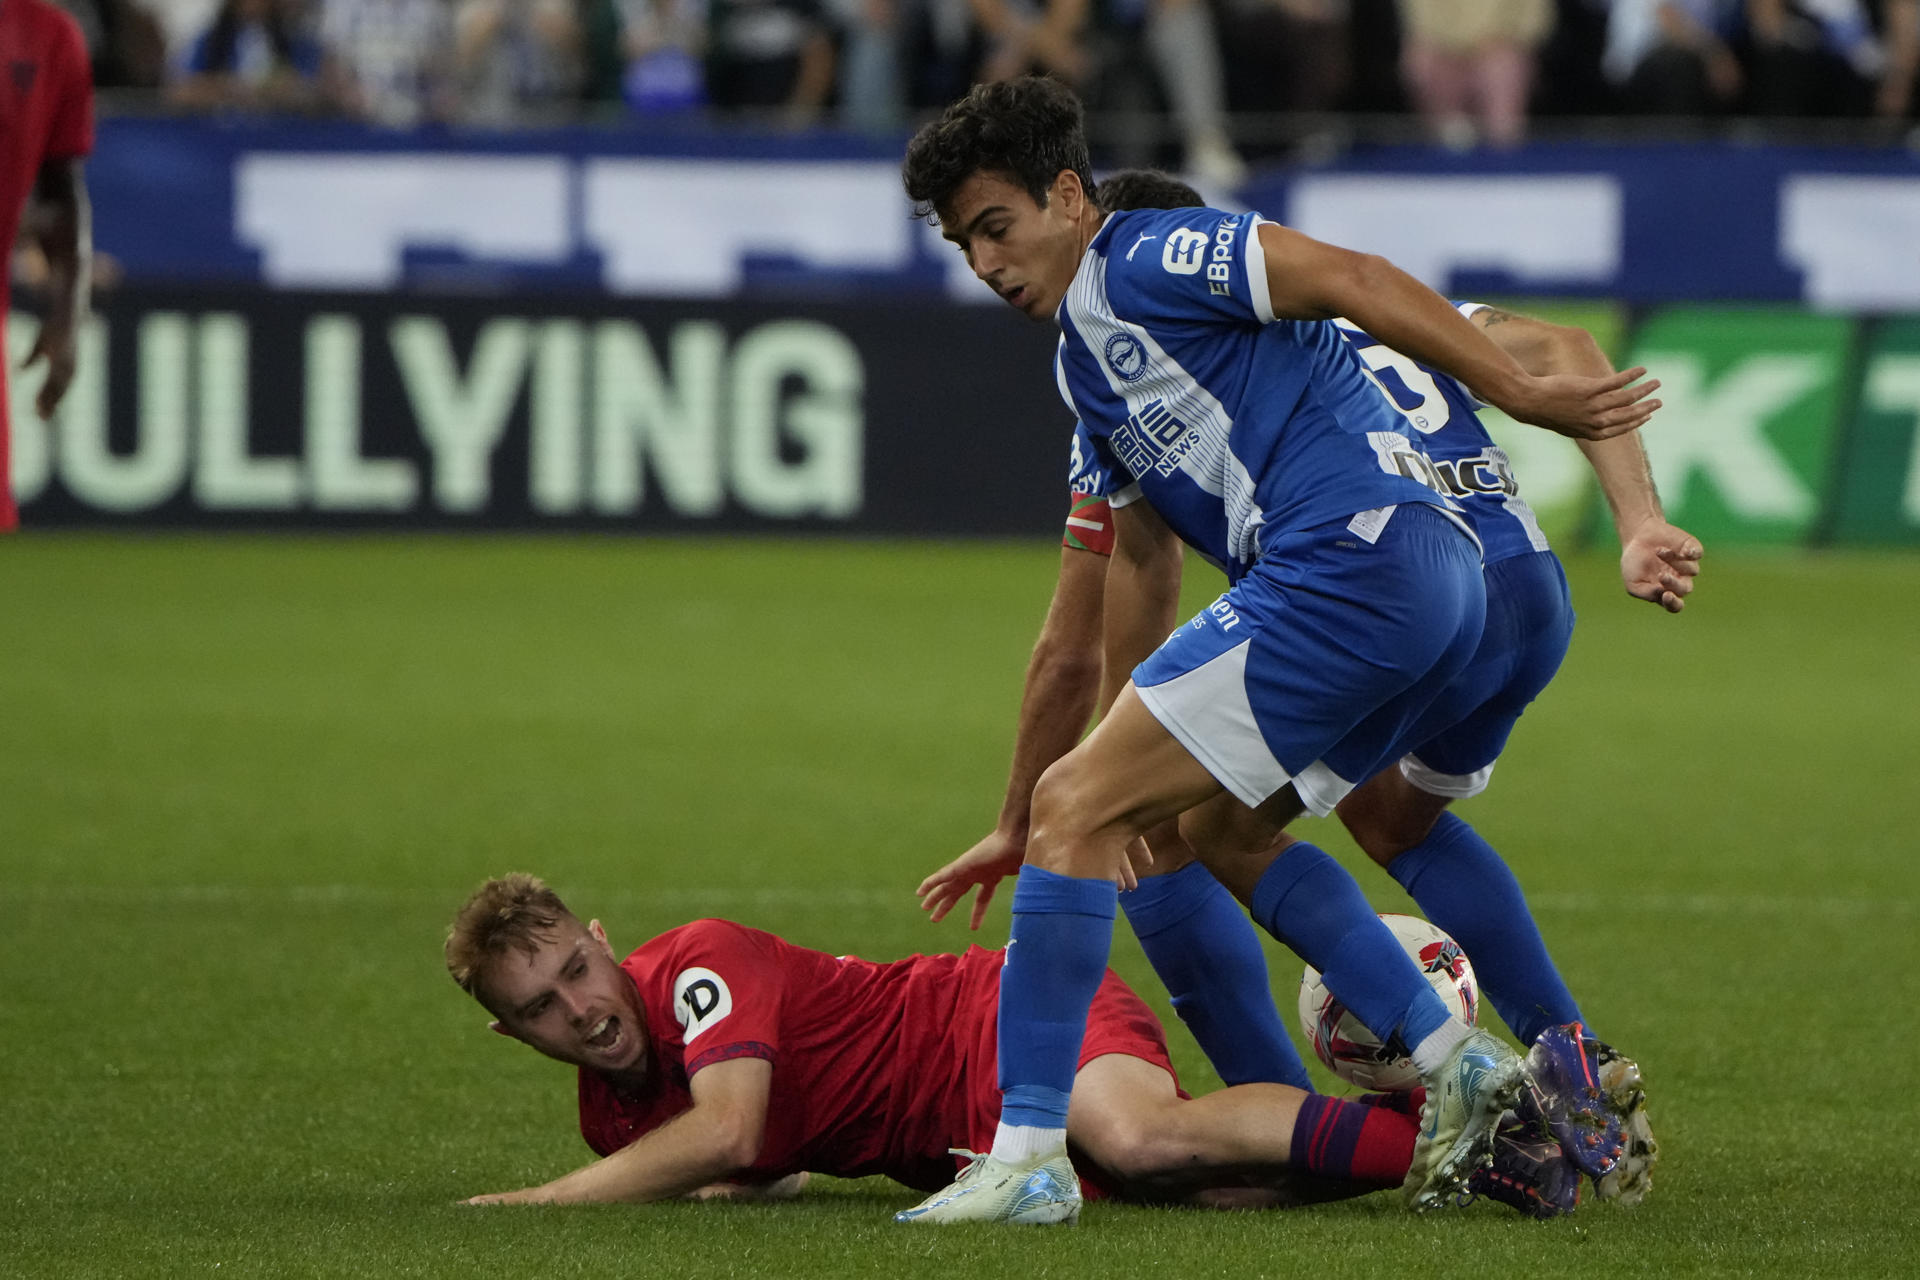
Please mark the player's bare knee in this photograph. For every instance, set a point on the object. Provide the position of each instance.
(1387, 817)
(1062, 823)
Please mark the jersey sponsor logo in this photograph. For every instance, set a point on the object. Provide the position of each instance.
(1144, 237)
(1127, 357)
(1220, 261)
(1488, 472)
(1223, 613)
(1154, 440)
(1185, 252)
(700, 999)
(1414, 465)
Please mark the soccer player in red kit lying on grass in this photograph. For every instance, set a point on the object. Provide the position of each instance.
(722, 1059)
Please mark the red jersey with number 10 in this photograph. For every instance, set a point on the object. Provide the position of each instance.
(46, 113)
(877, 1068)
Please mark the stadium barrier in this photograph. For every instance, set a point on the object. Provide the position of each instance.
(268, 408)
(327, 205)
(282, 409)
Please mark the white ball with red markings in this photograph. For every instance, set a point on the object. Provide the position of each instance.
(1354, 1053)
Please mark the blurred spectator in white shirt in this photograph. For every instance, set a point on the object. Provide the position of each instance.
(1469, 65)
(388, 60)
(516, 58)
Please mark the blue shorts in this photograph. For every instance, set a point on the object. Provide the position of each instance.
(1314, 667)
(1452, 747)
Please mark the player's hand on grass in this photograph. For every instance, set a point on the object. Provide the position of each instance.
(984, 865)
(1658, 563)
(529, 1195)
(1585, 408)
(754, 1192)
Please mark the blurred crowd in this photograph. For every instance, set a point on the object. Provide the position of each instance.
(1474, 71)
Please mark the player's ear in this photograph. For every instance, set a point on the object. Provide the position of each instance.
(1070, 192)
(599, 935)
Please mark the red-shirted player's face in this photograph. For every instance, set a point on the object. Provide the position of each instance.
(1027, 254)
(572, 1001)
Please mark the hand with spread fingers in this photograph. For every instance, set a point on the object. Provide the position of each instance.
(1586, 408)
(1658, 563)
(991, 860)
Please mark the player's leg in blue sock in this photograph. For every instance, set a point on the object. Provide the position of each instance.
(1056, 958)
(1309, 902)
(1205, 950)
(1464, 886)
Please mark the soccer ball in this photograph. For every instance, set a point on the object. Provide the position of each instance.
(1354, 1053)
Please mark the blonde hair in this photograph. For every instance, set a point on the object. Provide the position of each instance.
(512, 912)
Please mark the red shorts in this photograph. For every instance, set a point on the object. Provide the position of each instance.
(1119, 1022)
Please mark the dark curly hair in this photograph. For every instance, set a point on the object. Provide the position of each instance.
(1028, 129)
(1145, 189)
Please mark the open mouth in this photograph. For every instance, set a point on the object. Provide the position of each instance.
(605, 1035)
(1016, 296)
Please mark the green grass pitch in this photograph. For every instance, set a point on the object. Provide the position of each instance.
(244, 782)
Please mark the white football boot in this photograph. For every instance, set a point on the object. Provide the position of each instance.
(1043, 1191)
(1479, 1081)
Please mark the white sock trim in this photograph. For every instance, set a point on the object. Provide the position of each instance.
(1431, 1052)
(1025, 1143)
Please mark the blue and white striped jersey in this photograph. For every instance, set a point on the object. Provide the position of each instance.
(1228, 421)
(1445, 418)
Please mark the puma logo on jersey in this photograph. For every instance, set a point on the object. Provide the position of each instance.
(1144, 237)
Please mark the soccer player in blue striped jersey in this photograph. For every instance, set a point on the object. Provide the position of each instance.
(1197, 351)
(1193, 932)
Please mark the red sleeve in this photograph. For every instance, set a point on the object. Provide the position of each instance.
(1089, 524)
(728, 986)
(70, 129)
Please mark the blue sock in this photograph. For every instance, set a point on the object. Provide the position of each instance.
(1308, 901)
(1465, 887)
(1206, 952)
(1062, 932)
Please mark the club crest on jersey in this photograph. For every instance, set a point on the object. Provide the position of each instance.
(1126, 357)
(1153, 439)
(700, 999)
(1185, 252)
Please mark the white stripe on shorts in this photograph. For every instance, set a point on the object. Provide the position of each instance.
(1454, 786)
(1207, 711)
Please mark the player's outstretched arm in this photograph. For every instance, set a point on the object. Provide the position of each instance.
(1658, 560)
(1309, 280)
(717, 1138)
(1063, 682)
(63, 223)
